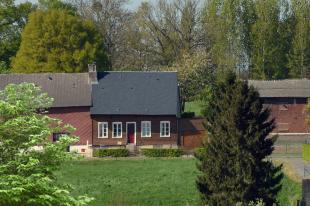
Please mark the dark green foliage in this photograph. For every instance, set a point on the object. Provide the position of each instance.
(111, 153)
(13, 18)
(234, 164)
(162, 152)
(199, 152)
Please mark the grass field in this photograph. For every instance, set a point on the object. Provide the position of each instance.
(145, 182)
(194, 106)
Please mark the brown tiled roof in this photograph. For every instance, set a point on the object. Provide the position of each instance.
(67, 89)
(282, 88)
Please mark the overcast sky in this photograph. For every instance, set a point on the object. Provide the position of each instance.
(133, 4)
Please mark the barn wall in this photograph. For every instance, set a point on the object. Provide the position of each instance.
(78, 117)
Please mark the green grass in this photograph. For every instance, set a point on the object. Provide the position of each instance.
(194, 106)
(145, 182)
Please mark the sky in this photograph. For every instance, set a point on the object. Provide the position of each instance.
(133, 4)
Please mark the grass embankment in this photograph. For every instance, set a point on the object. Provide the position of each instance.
(144, 182)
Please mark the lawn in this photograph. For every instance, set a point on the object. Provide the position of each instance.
(144, 182)
(194, 106)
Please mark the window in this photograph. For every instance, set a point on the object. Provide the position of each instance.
(102, 130)
(117, 130)
(164, 129)
(146, 128)
(58, 136)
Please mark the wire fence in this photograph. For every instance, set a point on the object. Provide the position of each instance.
(288, 149)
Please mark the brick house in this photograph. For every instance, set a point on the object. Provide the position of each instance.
(111, 108)
(135, 109)
(287, 100)
(72, 101)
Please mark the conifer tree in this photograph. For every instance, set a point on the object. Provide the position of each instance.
(234, 165)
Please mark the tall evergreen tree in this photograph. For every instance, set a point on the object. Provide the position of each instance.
(234, 165)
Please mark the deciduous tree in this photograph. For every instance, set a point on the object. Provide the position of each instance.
(56, 41)
(26, 173)
(12, 21)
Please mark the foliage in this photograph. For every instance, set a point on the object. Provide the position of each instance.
(111, 153)
(56, 41)
(306, 152)
(299, 60)
(199, 152)
(26, 173)
(56, 4)
(150, 182)
(194, 73)
(13, 18)
(238, 128)
(162, 152)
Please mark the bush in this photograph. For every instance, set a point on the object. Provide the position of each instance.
(111, 153)
(162, 152)
(306, 152)
(198, 152)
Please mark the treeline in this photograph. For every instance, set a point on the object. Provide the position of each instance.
(257, 39)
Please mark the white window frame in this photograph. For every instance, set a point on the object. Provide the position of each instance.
(161, 127)
(117, 123)
(146, 122)
(100, 125)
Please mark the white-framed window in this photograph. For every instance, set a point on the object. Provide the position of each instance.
(146, 129)
(117, 129)
(164, 128)
(102, 130)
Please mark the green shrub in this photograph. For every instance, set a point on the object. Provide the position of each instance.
(162, 152)
(306, 152)
(198, 152)
(111, 153)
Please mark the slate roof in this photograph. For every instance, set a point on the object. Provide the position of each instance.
(282, 88)
(136, 93)
(67, 89)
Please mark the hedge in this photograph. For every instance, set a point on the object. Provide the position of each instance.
(306, 152)
(111, 153)
(162, 152)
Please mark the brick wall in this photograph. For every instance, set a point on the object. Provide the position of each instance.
(78, 117)
(155, 139)
(289, 114)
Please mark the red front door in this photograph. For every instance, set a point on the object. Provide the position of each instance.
(131, 133)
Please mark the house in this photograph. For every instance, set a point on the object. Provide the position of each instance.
(111, 109)
(135, 108)
(287, 100)
(72, 101)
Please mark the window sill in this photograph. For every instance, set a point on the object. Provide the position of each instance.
(117, 137)
(102, 137)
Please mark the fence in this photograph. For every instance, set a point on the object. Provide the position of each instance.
(293, 149)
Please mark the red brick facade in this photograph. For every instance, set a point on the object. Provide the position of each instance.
(155, 138)
(78, 117)
(289, 113)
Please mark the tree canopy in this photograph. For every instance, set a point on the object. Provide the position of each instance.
(56, 41)
(12, 21)
(26, 172)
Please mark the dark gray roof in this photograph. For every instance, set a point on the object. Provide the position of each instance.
(282, 88)
(67, 89)
(136, 93)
